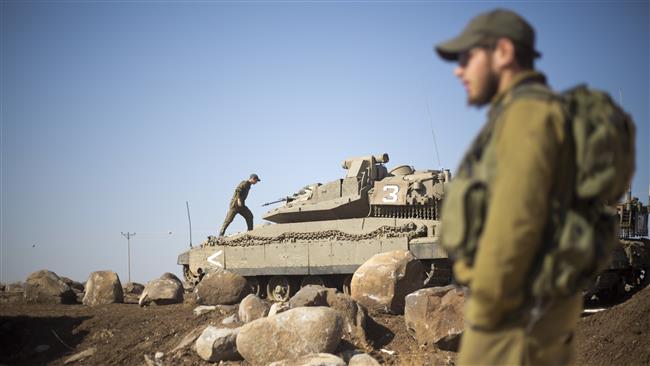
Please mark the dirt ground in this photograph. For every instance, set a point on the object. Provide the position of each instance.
(123, 334)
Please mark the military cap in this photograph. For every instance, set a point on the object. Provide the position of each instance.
(498, 23)
(255, 176)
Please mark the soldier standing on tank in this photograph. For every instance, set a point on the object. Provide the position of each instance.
(526, 136)
(238, 204)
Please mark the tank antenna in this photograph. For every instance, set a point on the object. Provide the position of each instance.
(433, 134)
(189, 220)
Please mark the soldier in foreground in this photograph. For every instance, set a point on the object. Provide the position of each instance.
(510, 209)
(238, 204)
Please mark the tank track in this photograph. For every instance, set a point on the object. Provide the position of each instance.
(410, 230)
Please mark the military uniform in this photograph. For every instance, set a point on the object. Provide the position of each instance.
(240, 195)
(521, 159)
(524, 169)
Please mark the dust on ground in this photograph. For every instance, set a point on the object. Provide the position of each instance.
(123, 334)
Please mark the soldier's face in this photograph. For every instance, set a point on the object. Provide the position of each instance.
(475, 71)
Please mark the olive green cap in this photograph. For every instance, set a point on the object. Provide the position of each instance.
(498, 23)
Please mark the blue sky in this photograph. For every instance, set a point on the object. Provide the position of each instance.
(113, 114)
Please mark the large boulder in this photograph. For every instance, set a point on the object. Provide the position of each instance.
(251, 308)
(310, 295)
(221, 288)
(74, 285)
(47, 287)
(291, 334)
(435, 316)
(168, 289)
(103, 287)
(218, 344)
(384, 280)
(320, 359)
(132, 292)
(363, 359)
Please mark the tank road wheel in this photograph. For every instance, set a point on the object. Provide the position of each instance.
(278, 289)
(255, 286)
(347, 284)
(190, 277)
(312, 280)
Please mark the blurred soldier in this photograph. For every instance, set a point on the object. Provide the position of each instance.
(520, 155)
(238, 204)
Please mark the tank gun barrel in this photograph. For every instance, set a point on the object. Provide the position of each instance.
(278, 201)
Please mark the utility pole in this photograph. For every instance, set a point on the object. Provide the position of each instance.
(128, 237)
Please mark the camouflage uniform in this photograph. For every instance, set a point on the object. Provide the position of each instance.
(527, 146)
(241, 193)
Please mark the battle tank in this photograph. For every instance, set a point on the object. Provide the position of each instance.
(324, 232)
(630, 263)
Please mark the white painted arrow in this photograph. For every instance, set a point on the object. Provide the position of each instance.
(212, 258)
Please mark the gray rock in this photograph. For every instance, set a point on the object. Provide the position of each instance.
(103, 287)
(163, 291)
(384, 280)
(46, 287)
(363, 359)
(320, 359)
(74, 285)
(133, 288)
(435, 316)
(171, 276)
(278, 307)
(230, 320)
(310, 295)
(291, 334)
(188, 339)
(202, 309)
(218, 344)
(221, 287)
(251, 308)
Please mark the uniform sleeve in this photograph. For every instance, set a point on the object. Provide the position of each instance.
(527, 150)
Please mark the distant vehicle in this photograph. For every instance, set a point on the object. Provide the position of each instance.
(630, 264)
(324, 232)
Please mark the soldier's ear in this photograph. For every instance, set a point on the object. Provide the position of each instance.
(503, 55)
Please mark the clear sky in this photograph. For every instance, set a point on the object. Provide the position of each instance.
(114, 113)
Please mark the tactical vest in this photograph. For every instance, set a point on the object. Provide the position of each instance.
(581, 229)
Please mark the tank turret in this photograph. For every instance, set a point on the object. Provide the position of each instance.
(368, 189)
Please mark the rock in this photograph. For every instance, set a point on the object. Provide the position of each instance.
(218, 344)
(310, 295)
(230, 320)
(188, 339)
(46, 287)
(133, 288)
(74, 285)
(80, 356)
(202, 309)
(278, 307)
(251, 308)
(103, 287)
(319, 359)
(363, 359)
(168, 289)
(384, 280)
(15, 287)
(221, 287)
(354, 315)
(435, 316)
(291, 334)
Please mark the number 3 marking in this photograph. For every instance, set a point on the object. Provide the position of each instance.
(392, 193)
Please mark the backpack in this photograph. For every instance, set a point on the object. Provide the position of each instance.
(582, 229)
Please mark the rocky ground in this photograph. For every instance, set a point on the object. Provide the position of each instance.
(126, 334)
